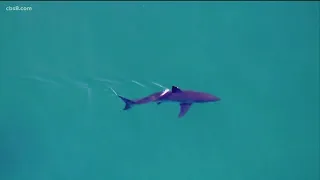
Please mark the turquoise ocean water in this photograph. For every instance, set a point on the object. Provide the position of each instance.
(59, 120)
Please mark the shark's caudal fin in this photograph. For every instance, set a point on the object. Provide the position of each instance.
(129, 103)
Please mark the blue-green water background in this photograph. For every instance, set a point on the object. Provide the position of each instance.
(58, 120)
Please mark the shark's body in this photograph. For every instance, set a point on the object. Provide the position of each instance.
(184, 97)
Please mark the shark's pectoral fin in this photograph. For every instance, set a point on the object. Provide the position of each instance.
(184, 108)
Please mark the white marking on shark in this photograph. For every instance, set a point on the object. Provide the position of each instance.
(165, 92)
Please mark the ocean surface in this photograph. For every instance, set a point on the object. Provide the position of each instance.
(59, 120)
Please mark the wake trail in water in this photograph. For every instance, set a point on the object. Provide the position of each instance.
(136, 82)
(107, 80)
(114, 92)
(42, 80)
(81, 85)
(159, 85)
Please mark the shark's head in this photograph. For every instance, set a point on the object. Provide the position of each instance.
(212, 98)
(206, 97)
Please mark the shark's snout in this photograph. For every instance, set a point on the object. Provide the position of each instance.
(205, 97)
(214, 98)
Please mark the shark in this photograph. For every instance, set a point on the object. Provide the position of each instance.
(185, 98)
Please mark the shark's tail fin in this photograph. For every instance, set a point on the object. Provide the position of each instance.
(129, 103)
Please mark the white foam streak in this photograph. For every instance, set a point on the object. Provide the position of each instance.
(136, 82)
(113, 91)
(107, 80)
(159, 85)
(43, 80)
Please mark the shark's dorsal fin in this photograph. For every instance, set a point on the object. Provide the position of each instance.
(175, 89)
